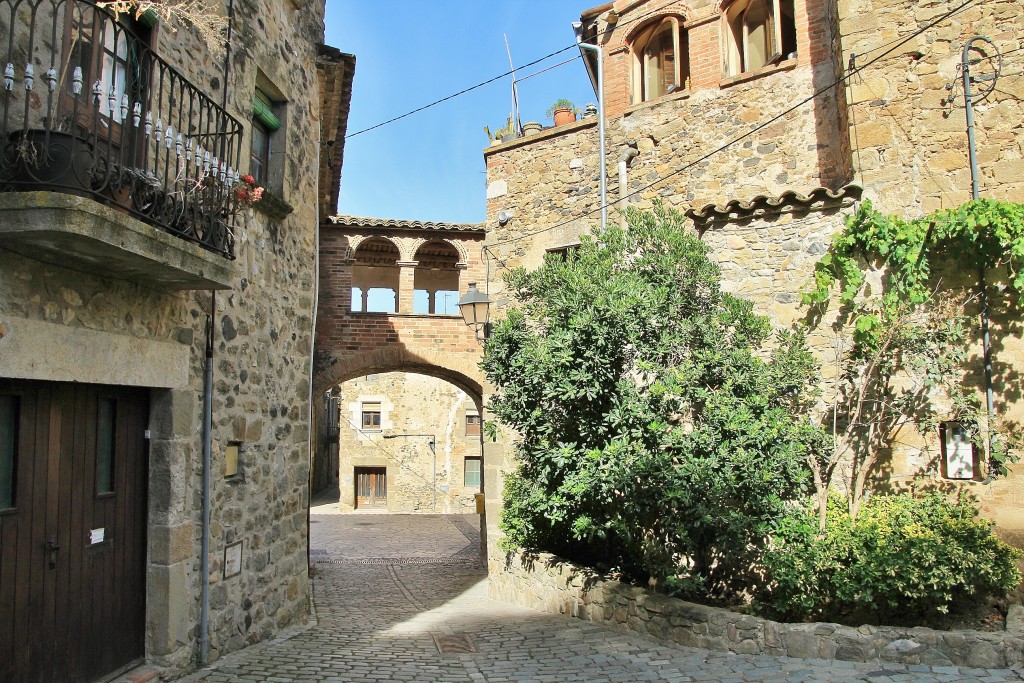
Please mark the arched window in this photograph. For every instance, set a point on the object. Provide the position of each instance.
(661, 63)
(758, 33)
(375, 276)
(436, 286)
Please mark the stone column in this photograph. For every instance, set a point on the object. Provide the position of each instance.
(406, 282)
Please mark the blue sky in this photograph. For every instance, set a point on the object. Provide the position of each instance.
(429, 166)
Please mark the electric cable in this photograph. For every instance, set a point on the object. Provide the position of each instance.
(500, 76)
(894, 45)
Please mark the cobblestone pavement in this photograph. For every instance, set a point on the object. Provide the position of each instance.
(403, 598)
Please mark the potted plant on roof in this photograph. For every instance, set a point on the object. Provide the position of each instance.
(563, 111)
(503, 134)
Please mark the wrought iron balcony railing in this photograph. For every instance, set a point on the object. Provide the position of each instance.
(88, 108)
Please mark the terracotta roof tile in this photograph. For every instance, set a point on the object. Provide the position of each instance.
(398, 224)
(763, 205)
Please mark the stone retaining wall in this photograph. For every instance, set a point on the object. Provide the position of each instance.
(549, 584)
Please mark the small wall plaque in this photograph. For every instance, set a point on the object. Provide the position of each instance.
(97, 536)
(233, 560)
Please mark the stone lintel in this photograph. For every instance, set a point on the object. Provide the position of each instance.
(33, 349)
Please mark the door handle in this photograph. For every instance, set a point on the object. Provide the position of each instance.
(52, 547)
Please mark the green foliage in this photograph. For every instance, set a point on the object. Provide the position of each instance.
(561, 104)
(655, 414)
(911, 339)
(980, 233)
(902, 560)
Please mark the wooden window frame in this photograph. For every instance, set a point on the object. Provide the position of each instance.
(259, 159)
(638, 49)
(93, 54)
(473, 426)
(735, 35)
(366, 421)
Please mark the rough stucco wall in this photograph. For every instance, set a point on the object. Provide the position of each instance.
(410, 404)
(263, 340)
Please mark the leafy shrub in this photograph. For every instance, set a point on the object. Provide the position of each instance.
(903, 559)
(657, 428)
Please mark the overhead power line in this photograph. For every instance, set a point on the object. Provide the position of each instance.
(500, 76)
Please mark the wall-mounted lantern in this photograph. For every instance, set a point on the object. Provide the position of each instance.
(475, 307)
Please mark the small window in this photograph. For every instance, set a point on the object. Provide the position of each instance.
(259, 159)
(473, 472)
(758, 33)
(661, 63)
(9, 415)
(562, 253)
(266, 161)
(371, 417)
(472, 425)
(105, 433)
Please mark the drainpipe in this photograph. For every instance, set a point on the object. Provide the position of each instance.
(312, 347)
(204, 602)
(986, 343)
(577, 28)
(204, 598)
(630, 153)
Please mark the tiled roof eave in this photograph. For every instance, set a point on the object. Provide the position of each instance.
(818, 199)
(364, 222)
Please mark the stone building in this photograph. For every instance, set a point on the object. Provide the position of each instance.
(389, 310)
(156, 330)
(407, 443)
(765, 121)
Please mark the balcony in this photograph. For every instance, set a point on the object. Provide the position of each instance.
(89, 109)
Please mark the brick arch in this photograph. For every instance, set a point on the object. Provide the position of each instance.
(459, 369)
(681, 11)
(458, 246)
(356, 240)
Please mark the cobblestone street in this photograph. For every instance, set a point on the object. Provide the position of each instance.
(404, 598)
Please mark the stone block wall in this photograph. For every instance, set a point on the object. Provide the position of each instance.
(889, 129)
(262, 328)
(910, 131)
(418, 479)
(547, 583)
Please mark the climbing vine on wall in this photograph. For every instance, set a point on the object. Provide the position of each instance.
(982, 233)
(910, 337)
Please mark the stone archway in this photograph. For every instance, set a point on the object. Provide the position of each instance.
(460, 369)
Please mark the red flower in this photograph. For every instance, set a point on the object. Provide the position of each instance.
(242, 194)
(248, 180)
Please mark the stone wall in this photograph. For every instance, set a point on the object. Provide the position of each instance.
(546, 583)
(262, 348)
(910, 132)
(418, 479)
(888, 129)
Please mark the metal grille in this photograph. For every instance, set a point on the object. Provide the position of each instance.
(454, 644)
(89, 109)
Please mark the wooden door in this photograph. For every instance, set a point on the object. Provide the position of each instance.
(72, 530)
(371, 487)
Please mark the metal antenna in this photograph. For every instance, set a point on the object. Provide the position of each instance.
(516, 123)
